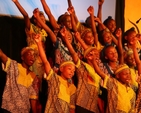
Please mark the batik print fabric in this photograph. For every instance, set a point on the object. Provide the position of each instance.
(61, 96)
(121, 98)
(88, 87)
(61, 54)
(16, 94)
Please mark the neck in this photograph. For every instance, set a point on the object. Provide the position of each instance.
(26, 67)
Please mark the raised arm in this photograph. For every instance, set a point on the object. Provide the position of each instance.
(38, 39)
(71, 12)
(97, 69)
(120, 48)
(68, 44)
(91, 12)
(74, 14)
(24, 13)
(99, 13)
(47, 29)
(49, 14)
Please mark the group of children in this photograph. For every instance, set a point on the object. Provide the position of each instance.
(90, 71)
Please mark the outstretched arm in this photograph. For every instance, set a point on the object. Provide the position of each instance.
(3, 57)
(24, 13)
(38, 39)
(99, 14)
(47, 29)
(68, 44)
(97, 69)
(91, 12)
(71, 12)
(49, 14)
(120, 48)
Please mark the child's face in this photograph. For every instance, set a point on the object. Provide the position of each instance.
(130, 60)
(124, 76)
(111, 25)
(107, 38)
(111, 54)
(67, 22)
(70, 38)
(67, 71)
(29, 57)
(92, 53)
(89, 38)
(42, 17)
(131, 37)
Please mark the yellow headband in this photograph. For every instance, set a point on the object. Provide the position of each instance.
(25, 49)
(120, 68)
(89, 49)
(84, 32)
(66, 63)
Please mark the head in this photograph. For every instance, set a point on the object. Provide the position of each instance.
(88, 37)
(88, 22)
(129, 58)
(35, 22)
(110, 24)
(27, 56)
(90, 52)
(67, 69)
(123, 74)
(130, 35)
(110, 54)
(65, 20)
(106, 37)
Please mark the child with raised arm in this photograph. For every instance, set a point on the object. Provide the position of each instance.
(88, 87)
(32, 28)
(121, 96)
(61, 90)
(21, 88)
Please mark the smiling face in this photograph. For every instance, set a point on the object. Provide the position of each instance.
(89, 38)
(107, 37)
(131, 36)
(111, 54)
(124, 76)
(42, 17)
(111, 25)
(67, 71)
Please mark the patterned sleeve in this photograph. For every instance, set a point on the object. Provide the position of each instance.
(34, 89)
(108, 82)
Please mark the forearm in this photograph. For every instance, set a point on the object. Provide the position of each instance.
(3, 57)
(33, 105)
(49, 14)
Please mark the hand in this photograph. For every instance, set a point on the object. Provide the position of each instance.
(37, 38)
(71, 10)
(90, 10)
(100, 2)
(118, 33)
(36, 13)
(63, 32)
(97, 20)
(77, 35)
(14, 1)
